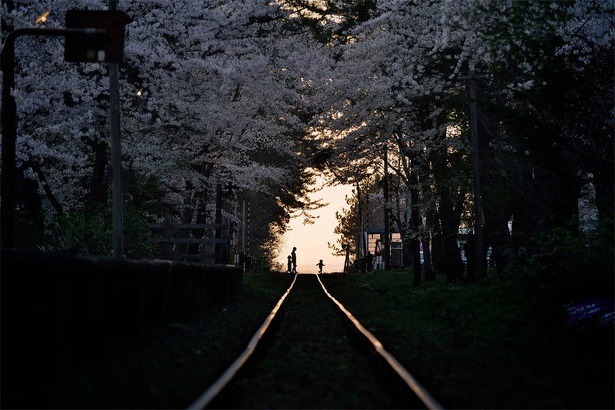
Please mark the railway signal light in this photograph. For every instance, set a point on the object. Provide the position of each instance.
(94, 47)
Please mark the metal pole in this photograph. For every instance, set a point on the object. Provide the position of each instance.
(478, 224)
(386, 252)
(116, 154)
(359, 247)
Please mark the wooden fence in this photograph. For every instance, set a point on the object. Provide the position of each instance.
(202, 243)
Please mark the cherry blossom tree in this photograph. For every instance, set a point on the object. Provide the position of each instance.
(211, 96)
(237, 99)
(396, 89)
(399, 85)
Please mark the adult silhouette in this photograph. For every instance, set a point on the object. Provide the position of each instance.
(293, 259)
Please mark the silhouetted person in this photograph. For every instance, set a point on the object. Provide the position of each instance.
(320, 265)
(293, 257)
(289, 267)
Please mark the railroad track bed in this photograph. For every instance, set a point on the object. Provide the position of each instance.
(310, 354)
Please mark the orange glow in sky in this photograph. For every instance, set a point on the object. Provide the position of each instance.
(311, 240)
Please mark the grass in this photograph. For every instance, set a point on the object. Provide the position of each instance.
(164, 369)
(483, 345)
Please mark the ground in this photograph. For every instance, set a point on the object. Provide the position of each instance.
(480, 345)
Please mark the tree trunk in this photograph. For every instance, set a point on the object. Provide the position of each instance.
(29, 216)
(605, 189)
(430, 274)
(497, 235)
(449, 215)
(451, 264)
(221, 251)
(415, 224)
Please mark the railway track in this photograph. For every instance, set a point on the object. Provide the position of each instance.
(312, 339)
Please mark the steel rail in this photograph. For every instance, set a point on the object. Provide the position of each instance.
(230, 372)
(412, 383)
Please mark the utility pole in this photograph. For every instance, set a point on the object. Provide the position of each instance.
(478, 209)
(360, 246)
(116, 154)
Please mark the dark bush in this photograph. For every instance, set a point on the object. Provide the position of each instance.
(90, 232)
(569, 264)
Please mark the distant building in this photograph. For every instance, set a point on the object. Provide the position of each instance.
(375, 244)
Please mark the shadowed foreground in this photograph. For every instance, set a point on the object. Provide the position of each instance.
(485, 345)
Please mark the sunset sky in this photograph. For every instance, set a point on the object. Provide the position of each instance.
(311, 240)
